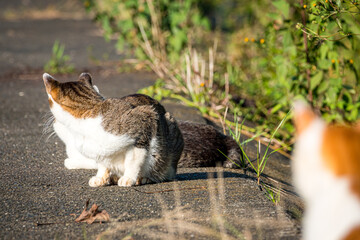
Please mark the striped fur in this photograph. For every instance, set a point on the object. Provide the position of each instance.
(326, 172)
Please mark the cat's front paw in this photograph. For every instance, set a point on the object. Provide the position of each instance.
(126, 182)
(98, 181)
(143, 180)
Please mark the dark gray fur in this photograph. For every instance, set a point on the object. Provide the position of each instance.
(202, 145)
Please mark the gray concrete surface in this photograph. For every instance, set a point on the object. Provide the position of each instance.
(38, 195)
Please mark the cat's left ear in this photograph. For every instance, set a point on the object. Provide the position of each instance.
(85, 78)
(50, 82)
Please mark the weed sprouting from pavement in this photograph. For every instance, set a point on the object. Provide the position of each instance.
(261, 161)
(59, 62)
(272, 194)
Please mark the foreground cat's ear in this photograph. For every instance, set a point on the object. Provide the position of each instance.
(303, 115)
(85, 78)
(50, 82)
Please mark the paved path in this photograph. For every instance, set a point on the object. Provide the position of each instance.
(38, 195)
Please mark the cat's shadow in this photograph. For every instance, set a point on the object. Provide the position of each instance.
(209, 175)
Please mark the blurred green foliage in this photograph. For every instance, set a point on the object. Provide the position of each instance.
(307, 50)
(169, 25)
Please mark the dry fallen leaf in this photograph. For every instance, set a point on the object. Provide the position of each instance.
(93, 214)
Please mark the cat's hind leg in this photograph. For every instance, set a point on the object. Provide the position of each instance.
(135, 161)
(102, 177)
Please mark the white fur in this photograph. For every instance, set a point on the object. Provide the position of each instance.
(97, 181)
(307, 165)
(75, 159)
(332, 210)
(96, 89)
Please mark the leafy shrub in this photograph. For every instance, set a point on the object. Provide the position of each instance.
(307, 48)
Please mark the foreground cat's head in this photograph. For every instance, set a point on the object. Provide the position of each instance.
(77, 98)
(334, 147)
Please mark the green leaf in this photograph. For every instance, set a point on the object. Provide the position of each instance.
(323, 87)
(177, 18)
(276, 108)
(353, 114)
(336, 83)
(339, 23)
(324, 64)
(273, 16)
(331, 95)
(315, 80)
(338, 2)
(323, 51)
(283, 6)
(287, 39)
(177, 40)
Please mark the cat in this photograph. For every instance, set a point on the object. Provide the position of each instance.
(131, 140)
(132, 137)
(326, 173)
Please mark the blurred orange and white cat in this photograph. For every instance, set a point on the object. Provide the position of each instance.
(326, 173)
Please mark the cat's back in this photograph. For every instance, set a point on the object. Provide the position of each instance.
(131, 113)
(116, 106)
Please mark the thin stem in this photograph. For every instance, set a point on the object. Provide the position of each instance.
(303, 18)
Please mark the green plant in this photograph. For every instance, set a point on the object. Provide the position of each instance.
(259, 167)
(59, 62)
(236, 134)
(167, 27)
(307, 48)
(157, 90)
(332, 36)
(273, 196)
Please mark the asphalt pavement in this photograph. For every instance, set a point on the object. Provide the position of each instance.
(40, 198)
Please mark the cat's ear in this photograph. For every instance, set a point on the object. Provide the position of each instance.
(49, 82)
(85, 78)
(303, 116)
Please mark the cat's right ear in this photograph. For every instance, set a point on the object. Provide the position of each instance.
(303, 116)
(86, 78)
(49, 82)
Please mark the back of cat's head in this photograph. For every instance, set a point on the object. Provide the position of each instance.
(303, 116)
(78, 98)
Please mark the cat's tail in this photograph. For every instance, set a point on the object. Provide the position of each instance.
(175, 140)
(204, 146)
(234, 154)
